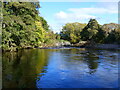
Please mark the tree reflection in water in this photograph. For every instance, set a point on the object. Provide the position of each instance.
(54, 68)
(20, 69)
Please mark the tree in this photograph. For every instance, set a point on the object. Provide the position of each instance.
(113, 37)
(100, 36)
(90, 30)
(71, 32)
(44, 23)
(22, 26)
(112, 31)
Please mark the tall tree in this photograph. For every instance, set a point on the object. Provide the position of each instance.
(71, 32)
(22, 26)
(90, 30)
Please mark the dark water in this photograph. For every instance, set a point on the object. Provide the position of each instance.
(61, 68)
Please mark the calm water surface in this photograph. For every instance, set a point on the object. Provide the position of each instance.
(61, 68)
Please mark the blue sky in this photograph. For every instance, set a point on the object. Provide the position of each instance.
(58, 14)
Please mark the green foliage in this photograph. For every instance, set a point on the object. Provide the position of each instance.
(44, 23)
(112, 26)
(100, 36)
(57, 36)
(113, 37)
(71, 32)
(75, 32)
(112, 33)
(18, 24)
(90, 30)
(22, 26)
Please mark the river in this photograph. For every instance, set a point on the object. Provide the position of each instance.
(61, 68)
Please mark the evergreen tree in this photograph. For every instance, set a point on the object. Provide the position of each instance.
(90, 30)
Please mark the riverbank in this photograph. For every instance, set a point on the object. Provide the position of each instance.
(104, 46)
(65, 44)
(98, 46)
(51, 44)
(87, 44)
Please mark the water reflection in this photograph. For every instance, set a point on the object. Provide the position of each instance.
(60, 68)
(86, 55)
(21, 69)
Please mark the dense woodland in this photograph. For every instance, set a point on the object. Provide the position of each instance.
(23, 27)
(93, 31)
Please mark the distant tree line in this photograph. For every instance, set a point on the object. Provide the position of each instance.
(76, 32)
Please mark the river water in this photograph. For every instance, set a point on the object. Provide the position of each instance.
(61, 68)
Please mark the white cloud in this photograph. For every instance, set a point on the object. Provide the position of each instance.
(61, 15)
(98, 11)
(75, 14)
(72, 16)
(93, 10)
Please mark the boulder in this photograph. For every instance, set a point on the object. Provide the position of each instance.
(63, 43)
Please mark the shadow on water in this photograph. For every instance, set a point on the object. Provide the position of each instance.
(20, 69)
(60, 68)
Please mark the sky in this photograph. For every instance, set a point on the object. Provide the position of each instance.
(57, 14)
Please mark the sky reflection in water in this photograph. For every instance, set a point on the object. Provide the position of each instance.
(61, 68)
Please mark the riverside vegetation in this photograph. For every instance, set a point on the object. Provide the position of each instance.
(66, 67)
(23, 27)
